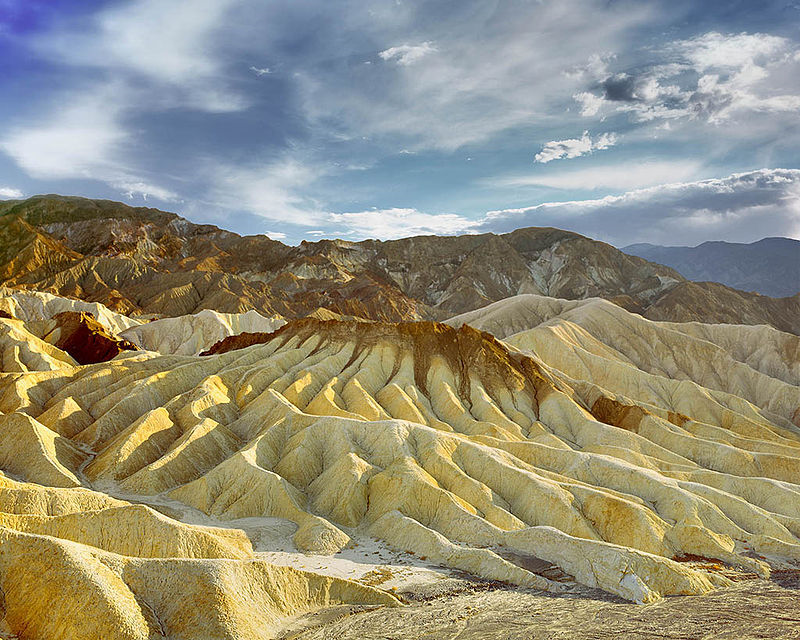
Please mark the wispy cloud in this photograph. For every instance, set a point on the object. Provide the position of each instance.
(620, 176)
(261, 71)
(738, 208)
(133, 188)
(152, 56)
(274, 189)
(574, 147)
(76, 139)
(10, 193)
(407, 54)
(488, 75)
(165, 42)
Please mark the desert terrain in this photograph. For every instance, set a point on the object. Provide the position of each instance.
(242, 476)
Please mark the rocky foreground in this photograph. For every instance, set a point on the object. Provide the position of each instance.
(532, 460)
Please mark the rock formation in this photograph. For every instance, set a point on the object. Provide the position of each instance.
(189, 335)
(35, 306)
(21, 350)
(77, 564)
(82, 337)
(608, 445)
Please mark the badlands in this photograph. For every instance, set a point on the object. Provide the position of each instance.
(536, 468)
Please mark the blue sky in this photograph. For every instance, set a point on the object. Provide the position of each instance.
(667, 122)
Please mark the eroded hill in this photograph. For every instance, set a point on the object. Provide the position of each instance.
(609, 450)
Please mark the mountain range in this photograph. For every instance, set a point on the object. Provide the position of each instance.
(770, 266)
(139, 260)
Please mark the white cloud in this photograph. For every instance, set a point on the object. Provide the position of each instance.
(590, 103)
(133, 188)
(75, 140)
(10, 194)
(731, 51)
(275, 235)
(261, 71)
(154, 55)
(739, 208)
(389, 224)
(712, 78)
(498, 66)
(167, 42)
(83, 139)
(574, 147)
(407, 54)
(272, 190)
(615, 177)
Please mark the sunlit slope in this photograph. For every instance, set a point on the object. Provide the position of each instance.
(444, 442)
(189, 335)
(37, 306)
(22, 351)
(75, 563)
(182, 335)
(589, 340)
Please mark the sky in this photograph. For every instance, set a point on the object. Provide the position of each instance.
(670, 122)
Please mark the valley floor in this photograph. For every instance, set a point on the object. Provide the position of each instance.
(751, 609)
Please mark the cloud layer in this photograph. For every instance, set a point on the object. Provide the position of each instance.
(9, 193)
(712, 77)
(740, 208)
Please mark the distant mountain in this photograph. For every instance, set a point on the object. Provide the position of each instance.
(146, 261)
(770, 266)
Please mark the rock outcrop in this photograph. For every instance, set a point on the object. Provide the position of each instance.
(22, 351)
(77, 564)
(82, 337)
(189, 335)
(35, 306)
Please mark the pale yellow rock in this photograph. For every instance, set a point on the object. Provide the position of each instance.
(135, 530)
(27, 497)
(46, 580)
(603, 443)
(65, 417)
(21, 351)
(590, 339)
(33, 452)
(35, 306)
(189, 335)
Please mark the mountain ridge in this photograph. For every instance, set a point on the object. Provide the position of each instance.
(770, 266)
(146, 261)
